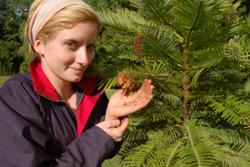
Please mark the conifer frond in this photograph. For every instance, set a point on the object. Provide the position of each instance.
(230, 158)
(154, 69)
(194, 14)
(123, 20)
(197, 152)
(234, 161)
(171, 98)
(172, 135)
(157, 117)
(158, 71)
(168, 86)
(247, 86)
(236, 140)
(172, 150)
(207, 59)
(136, 134)
(199, 101)
(108, 83)
(213, 36)
(127, 148)
(157, 42)
(156, 10)
(148, 155)
(128, 57)
(233, 51)
(232, 110)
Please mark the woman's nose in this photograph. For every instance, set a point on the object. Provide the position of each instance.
(83, 56)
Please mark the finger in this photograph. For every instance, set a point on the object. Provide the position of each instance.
(149, 93)
(146, 84)
(113, 123)
(148, 89)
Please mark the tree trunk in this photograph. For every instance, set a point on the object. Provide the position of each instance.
(185, 84)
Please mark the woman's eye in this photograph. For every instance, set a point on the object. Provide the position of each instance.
(71, 45)
(91, 48)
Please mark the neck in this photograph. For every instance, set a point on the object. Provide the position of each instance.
(62, 87)
(64, 91)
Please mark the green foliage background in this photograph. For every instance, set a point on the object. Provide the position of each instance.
(12, 17)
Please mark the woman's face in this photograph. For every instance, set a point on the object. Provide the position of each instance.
(67, 56)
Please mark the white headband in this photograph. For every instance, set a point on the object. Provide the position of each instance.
(44, 12)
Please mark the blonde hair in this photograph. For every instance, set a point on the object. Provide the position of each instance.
(63, 19)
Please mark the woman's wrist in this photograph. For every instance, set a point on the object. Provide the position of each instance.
(110, 115)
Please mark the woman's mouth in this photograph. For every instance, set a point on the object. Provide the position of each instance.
(77, 69)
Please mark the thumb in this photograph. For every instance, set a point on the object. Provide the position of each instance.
(114, 123)
(124, 123)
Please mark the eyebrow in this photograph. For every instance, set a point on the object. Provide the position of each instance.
(79, 41)
(73, 40)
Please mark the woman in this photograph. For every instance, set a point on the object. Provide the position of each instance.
(54, 116)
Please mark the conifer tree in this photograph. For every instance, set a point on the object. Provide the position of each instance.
(197, 54)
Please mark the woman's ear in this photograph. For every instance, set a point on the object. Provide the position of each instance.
(39, 47)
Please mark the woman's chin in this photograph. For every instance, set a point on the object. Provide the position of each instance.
(75, 79)
(75, 76)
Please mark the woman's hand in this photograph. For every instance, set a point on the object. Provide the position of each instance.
(121, 105)
(115, 128)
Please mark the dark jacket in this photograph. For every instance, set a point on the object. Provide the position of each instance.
(39, 129)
